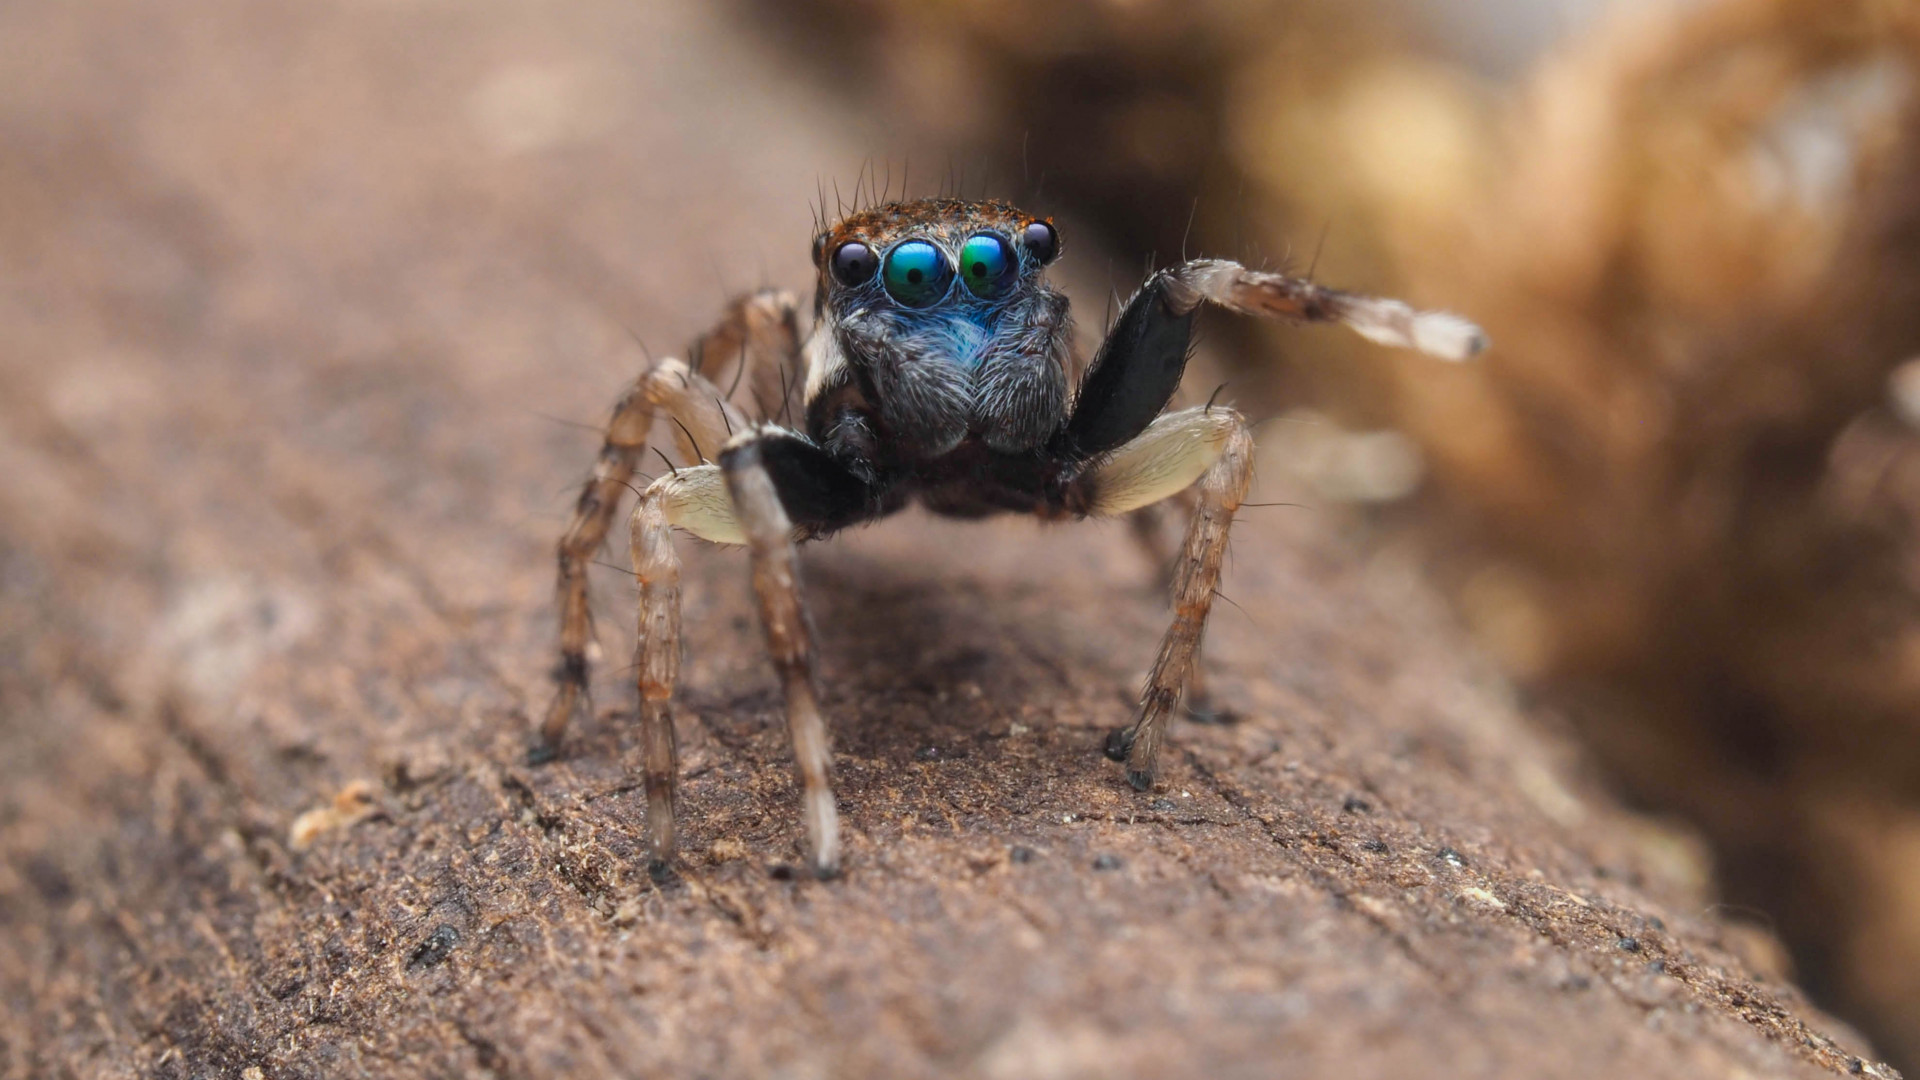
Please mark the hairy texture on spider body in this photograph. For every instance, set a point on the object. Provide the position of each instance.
(1020, 388)
(936, 372)
(993, 369)
(925, 403)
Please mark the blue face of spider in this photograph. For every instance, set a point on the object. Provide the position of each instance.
(938, 274)
(938, 314)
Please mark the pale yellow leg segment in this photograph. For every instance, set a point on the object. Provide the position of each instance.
(1214, 446)
(1162, 461)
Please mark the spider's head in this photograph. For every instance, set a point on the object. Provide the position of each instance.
(932, 261)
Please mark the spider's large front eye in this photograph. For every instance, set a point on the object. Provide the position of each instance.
(917, 273)
(987, 265)
(854, 262)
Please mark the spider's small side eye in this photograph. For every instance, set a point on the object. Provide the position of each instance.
(1041, 240)
(917, 273)
(854, 262)
(987, 265)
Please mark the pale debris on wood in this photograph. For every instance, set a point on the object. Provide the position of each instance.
(354, 803)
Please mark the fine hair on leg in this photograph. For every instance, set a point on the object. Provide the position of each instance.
(656, 570)
(776, 585)
(694, 499)
(1167, 451)
(699, 417)
(753, 352)
(1268, 295)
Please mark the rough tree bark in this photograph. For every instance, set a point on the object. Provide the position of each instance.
(283, 292)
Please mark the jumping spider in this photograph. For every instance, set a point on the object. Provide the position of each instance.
(936, 372)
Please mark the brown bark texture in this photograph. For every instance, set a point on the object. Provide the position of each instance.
(292, 296)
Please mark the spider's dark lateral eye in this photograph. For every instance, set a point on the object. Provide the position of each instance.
(1041, 239)
(987, 265)
(854, 262)
(917, 273)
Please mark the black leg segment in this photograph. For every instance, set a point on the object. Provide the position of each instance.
(819, 493)
(1136, 371)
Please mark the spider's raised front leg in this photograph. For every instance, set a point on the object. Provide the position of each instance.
(758, 331)
(1131, 459)
(778, 478)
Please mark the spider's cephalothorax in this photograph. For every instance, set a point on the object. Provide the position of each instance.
(936, 371)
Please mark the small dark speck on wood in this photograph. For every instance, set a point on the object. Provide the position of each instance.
(436, 948)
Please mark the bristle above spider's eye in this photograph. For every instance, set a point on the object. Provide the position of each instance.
(1041, 241)
(987, 265)
(854, 263)
(917, 273)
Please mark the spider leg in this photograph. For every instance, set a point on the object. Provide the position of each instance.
(694, 499)
(756, 341)
(1256, 292)
(700, 417)
(1148, 527)
(1138, 367)
(758, 333)
(1214, 446)
(775, 477)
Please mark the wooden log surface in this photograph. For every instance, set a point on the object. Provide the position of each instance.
(291, 297)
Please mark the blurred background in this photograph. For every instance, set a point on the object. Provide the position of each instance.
(1677, 501)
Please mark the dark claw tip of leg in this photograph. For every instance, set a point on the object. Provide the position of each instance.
(1119, 743)
(661, 871)
(1141, 781)
(543, 752)
(827, 873)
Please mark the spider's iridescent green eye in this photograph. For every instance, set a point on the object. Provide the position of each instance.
(917, 273)
(988, 265)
